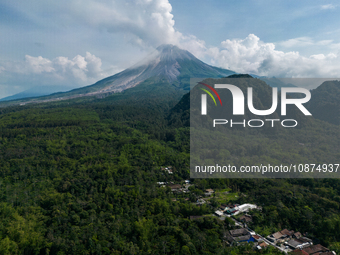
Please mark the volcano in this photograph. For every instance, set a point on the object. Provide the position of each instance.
(168, 64)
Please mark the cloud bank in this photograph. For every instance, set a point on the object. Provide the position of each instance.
(251, 55)
(61, 70)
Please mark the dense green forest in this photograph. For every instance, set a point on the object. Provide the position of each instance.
(80, 177)
(325, 103)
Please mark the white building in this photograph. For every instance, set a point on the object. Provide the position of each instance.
(246, 207)
(219, 213)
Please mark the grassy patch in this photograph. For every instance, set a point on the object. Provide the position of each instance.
(225, 196)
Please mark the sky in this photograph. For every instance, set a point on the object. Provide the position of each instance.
(74, 43)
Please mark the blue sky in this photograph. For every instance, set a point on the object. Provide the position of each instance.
(272, 21)
(74, 43)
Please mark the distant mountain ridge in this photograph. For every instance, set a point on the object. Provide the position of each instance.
(325, 103)
(37, 92)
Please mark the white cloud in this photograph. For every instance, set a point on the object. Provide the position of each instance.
(300, 42)
(38, 64)
(251, 55)
(328, 7)
(145, 23)
(60, 70)
(193, 45)
(93, 65)
(324, 42)
(303, 42)
(148, 22)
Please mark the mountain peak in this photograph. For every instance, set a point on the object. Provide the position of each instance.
(167, 47)
(169, 52)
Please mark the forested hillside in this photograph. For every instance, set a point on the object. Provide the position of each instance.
(325, 104)
(80, 177)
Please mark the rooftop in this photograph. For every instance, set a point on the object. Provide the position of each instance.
(242, 238)
(263, 244)
(256, 237)
(304, 240)
(246, 218)
(299, 252)
(294, 243)
(175, 186)
(315, 248)
(297, 234)
(287, 232)
(239, 232)
(277, 235)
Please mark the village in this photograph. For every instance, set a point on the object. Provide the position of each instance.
(287, 241)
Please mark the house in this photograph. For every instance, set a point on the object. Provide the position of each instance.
(246, 207)
(175, 187)
(262, 246)
(257, 238)
(305, 239)
(239, 232)
(167, 169)
(316, 249)
(209, 192)
(223, 208)
(299, 252)
(246, 218)
(239, 235)
(219, 213)
(200, 201)
(297, 235)
(297, 244)
(287, 233)
(232, 211)
(185, 189)
(186, 181)
(246, 238)
(275, 237)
